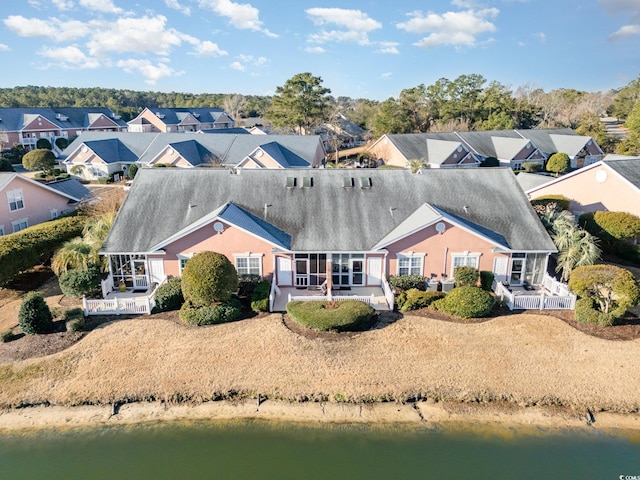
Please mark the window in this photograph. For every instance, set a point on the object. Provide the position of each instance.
(1, 230)
(464, 260)
(54, 213)
(182, 260)
(19, 225)
(249, 265)
(16, 202)
(410, 264)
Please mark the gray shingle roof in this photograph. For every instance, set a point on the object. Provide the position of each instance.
(527, 181)
(112, 150)
(14, 119)
(326, 216)
(72, 188)
(629, 168)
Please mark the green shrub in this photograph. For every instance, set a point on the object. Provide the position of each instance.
(346, 315)
(35, 245)
(466, 276)
(415, 299)
(168, 296)
(246, 284)
(466, 302)
(558, 163)
(486, 280)
(133, 169)
(490, 162)
(74, 320)
(39, 159)
(62, 143)
(80, 283)
(405, 282)
(609, 289)
(531, 167)
(207, 278)
(585, 312)
(209, 315)
(43, 143)
(34, 315)
(260, 297)
(617, 232)
(6, 335)
(6, 166)
(104, 180)
(562, 202)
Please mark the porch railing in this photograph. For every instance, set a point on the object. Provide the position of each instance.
(388, 293)
(118, 305)
(536, 301)
(106, 286)
(554, 286)
(273, 294)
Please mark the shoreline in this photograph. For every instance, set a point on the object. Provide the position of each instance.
(428, 415)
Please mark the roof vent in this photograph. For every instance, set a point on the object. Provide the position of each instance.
(159, 115)
(291, 182)
(197, 115)
(465, 208)
(115, 116)
(307, 182)
(365, 182)
(64, 118)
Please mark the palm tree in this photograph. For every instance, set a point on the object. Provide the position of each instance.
(576, 248)
(415, 165)
(75, 253)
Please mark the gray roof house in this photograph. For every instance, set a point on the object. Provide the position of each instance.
(350, 229)
(179, 120)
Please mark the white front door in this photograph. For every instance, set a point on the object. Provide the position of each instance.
(500, 268)
(374, 271)
(357, 271)
(302, 272)
(156, 268)
(285, 272)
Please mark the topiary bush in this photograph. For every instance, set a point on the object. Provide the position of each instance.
(414, 299)
(34, 315)
(405, 282)
(558, 163)
(62, 143)
(466, 276)
(39, 159)
(561, 202)
(43, 143)
(486, 280)
(208, 278)
(6, 166)
(260, 297)
(168, 296)
(466, 302)
(617, 231)
(209, 314)
(607, 288)
(78, 283)
(325, 316)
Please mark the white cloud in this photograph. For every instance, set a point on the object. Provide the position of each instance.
(69, 57)
(63, 4)
(177, 6)
(4, 48)
(314, 50)
(54, 29)
(105, 6)
(237, 66)
(386, 75)
(243, 16)
(625, 31)
(388, 47)
(209, 49)
(356, 25)
(144, 34)
(541, 36)
(261, 61)
(151, 73)
(450, 28)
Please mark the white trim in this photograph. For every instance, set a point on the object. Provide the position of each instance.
(410, 255)
(15, 196)
(41, 185)
(54, 213)
(248, 256)
(464, 255)
(18, 223)
(181, 257)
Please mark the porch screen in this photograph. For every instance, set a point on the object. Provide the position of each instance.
(535, 266)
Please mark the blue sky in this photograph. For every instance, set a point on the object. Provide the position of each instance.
(360, 48)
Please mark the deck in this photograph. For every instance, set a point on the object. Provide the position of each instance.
(374, 296)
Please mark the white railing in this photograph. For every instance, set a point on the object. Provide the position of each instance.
(536, 301)
(388, 293)
(106, 286)
(273, 294)
(554, 286)
(118, 306)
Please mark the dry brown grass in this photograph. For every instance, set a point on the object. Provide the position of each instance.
(524, 359)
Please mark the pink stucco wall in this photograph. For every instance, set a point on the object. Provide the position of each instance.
(231, 240)
(38, 203)
(588, 194)
(439, 248)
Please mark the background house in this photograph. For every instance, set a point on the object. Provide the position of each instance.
(25, 202)
(180, 120)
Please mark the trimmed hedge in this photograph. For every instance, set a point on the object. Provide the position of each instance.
(406, 282)
(616, 231)
(466, 302)
(246, 284)
(486, 280)
(208, 278)
(74, 320)
(561, 201)
(585, 312)
(168, 296)
(35, 245)
(209, 315)
(414, 299)
(260, 297)
(466, 276)
(325, 316)
(80, 283)
(34, 315)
